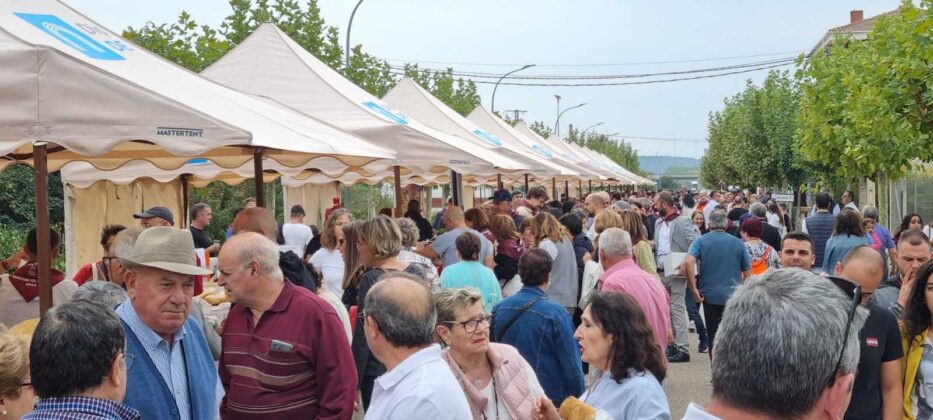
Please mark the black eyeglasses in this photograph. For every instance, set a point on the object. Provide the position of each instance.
(854, 292)
(471, 325)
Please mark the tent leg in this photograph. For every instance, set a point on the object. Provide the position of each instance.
(184, 198)
(398, 190)
(526, 184)
(257, 177)
(591, 187)
(499, 181)
(554, 186)
(455, 187)
(580, 188)
(566, 189)
(40, 160)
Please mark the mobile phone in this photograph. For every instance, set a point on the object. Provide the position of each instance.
(280, 346)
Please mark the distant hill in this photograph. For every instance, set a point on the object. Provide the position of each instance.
(675, 164)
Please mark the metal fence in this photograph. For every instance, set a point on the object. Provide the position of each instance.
(913, 194)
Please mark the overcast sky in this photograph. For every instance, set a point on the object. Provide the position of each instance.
(561, 32)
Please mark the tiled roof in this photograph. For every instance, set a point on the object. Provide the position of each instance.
(864, 25)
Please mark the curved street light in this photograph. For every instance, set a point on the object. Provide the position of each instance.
(583, 133)
(349, 26)
(493, 105)
(557, 125)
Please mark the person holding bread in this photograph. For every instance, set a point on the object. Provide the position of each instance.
(616, 339)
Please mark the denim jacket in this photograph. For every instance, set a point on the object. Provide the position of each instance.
(544, 337)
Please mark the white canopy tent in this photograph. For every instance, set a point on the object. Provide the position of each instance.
(271, 64)
(74, 91)
(412, 99)
(501, 129)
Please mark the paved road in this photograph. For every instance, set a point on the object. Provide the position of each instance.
(688, 382)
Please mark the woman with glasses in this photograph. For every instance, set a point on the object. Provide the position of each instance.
(497, 381)
(616, 339)
(16, 394)
(918, 365)
(101, 269)
(329, 260)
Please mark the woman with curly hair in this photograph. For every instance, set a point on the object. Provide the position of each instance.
(910, 221)
(918, 361)
(616, 339)
(328, 260)
(551, 236)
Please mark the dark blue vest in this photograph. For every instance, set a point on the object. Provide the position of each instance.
(820, 227)
(147, 392)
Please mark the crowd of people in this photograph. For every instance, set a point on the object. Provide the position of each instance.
(524, 307)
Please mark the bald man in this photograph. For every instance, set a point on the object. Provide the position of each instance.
(594, 203)
(399, 326)
(877, 392)
(444, 246)
(295, 340)
(259, 220)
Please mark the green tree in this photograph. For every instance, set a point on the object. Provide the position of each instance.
(457, 93)
(619, 151)
(541, 128)
(866, 105)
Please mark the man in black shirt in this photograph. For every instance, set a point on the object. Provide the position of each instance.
(201, 216)
(738, 209)
(769, 234)
(877, 392)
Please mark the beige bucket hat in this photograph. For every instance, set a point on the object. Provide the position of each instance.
(168, 249)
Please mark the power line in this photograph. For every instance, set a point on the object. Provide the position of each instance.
(698, 60)
(643, 82)
(787, 60)
(625, 137)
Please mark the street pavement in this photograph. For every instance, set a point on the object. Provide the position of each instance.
(688, 382)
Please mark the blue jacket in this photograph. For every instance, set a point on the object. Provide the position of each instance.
(147, 392)
(544, 337)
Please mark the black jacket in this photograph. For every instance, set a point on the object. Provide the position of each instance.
(425, 230)
(296, 271)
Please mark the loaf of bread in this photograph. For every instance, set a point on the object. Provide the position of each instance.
(215, 297)
(574, 409)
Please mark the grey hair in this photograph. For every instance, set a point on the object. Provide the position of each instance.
(406, 320)
(779, 341)
(123, 245)
(615, 242)
(598, 198)
(870, 212)
(449, 301)
(410, 232)
(718, 219)
(101, 292)
(645, 202)
(196, 210)
(265, 252)
(622, 205)
(758, 209)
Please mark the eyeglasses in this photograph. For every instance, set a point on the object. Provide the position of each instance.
(471, 325)
(25, 385)
(854, 292)
(128, 359)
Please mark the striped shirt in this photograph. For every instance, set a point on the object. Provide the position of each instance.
(81, 408)
(294, 362)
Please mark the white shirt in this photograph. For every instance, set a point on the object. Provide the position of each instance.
(497, 410)
(296, 236)
(421, 387)
(342, 313)
(695, 412)
(13, 309)
(708, 210)
(664, 241)
(330, 262)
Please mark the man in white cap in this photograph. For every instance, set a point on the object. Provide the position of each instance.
(173, 374)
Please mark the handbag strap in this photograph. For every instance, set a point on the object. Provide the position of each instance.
(515, 317)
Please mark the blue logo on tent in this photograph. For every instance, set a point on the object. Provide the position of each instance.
(199, 161)
(488, 138)
(542, 151)
(71, 36)
(386, 112)
(569, 157)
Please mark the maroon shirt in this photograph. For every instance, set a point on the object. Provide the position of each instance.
(314, 378)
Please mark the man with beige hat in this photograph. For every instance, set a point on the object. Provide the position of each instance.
(172, 375)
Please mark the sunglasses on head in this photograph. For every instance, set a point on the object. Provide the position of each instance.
(854, 292)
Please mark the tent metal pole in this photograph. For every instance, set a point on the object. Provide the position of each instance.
(257, 177)
(398, 190)
(580, 188)
(44, 242)
(591, 186)
(455, 187)
(184, 199)
(554, 186)
(566, 189)
(499, 181)
(526, 184)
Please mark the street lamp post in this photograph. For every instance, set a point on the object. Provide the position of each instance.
(492, 107)
(583, 134)
(557, 125)
(349, 26)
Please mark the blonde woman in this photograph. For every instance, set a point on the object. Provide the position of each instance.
(641, 249)
(16, 394)
(497, 381)
(552, 237)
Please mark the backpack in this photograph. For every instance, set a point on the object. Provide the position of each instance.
(761, 265)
